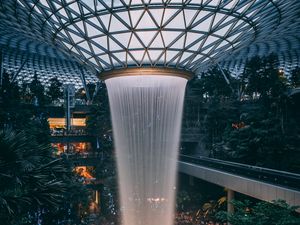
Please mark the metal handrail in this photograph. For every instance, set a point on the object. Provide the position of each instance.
(275, 177)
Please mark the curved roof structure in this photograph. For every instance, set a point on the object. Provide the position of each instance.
(101, 35)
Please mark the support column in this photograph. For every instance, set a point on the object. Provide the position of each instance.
(97, 197)
(230, 197)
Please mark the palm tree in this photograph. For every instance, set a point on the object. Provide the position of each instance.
(30, 178)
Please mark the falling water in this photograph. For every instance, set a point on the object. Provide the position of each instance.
(146, 115)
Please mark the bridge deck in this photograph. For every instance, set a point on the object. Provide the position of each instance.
(268, 186)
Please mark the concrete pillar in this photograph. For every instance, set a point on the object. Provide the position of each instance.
(230, 197)
(97, 197)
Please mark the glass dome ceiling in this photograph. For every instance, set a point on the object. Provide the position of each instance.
(184, 34)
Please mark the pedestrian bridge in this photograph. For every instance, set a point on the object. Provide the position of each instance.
(261, 183)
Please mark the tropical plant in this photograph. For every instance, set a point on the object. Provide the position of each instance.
(9, 91)
(262, 213)
(30, 178)
(295, 77)
(55, 91)
(37, 91)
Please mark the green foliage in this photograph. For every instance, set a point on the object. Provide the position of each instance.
(262, 213)
(30, 177)
(295, 77)
(99, 125)
(35, 185)
(55, 89)
(9, 91)
(37, 91)
(252, 119)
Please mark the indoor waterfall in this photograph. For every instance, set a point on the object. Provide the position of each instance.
(146, 115)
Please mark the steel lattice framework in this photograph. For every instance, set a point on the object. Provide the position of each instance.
(187, 34)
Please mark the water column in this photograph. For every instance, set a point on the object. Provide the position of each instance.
(146, 115)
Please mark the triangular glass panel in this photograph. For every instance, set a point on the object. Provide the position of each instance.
(116, 25)
(157, 43)
(85, 9)
(117, 3)
(230, 4)
(121, 56)
(124, 16)
(189, 15)
(198, 56)
(80, 27)
(115, 62)
(206, 50)
(127, 2)
(234, 37)
(102, 41)
(135, 16)
(92, 30)
(130, 60)
(157, 15)
(218, 17)
(94, 61)
(161, 59)
(210, 39)
(146, 60)
(191, 38)
(74, 50)
(104, 19)
(96, 49)
(179, 44)
(169, 13)
(76, 38)
(105, 59)
(136, 2)
(146, 36)
(214, 3)
(85, 54)
(204, 26)
(202, 15)
(223, 31)
(75, 8)
(170, 56)
(154, 55)
(170, 36)
(135, 43)
(146, 22)
(123, 38)
(156, 1)
(57, 6)
(113, 46)
(185, 56)
(177, 22)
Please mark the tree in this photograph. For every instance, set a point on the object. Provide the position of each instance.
(30, 177)
(34, 184)
(99, 125)
(295, 77)
(37, 90)
(55, 91)
(262, 213)
(9, 91)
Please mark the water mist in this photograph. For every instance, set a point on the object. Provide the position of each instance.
(146, 115)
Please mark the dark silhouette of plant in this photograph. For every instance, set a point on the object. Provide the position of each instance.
(55, 91)
(295, 77)
(37, 91)
(9, 91)
(262, 213)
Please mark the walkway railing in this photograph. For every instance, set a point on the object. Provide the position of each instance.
(275, 177)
